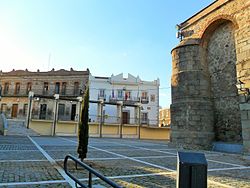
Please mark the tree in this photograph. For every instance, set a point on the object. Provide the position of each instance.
(83, 131)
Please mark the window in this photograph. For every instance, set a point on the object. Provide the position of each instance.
(101, 93)
(61, 110)
(144, 119)
(45, 88)
(64, 88)
(127, 95)
(29, 86)
(43, 109)
(76, 88)
(17, 88)
(57, 88)
(25, 109)
(144, 95)
(152, 98)
(113, 93)
(3, 108)
(6, 88)
(120, 94)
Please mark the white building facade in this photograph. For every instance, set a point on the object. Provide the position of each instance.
(131, 92)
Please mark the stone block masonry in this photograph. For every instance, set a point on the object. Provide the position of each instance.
(206, 65)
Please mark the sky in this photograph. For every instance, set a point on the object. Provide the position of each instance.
(105, 36)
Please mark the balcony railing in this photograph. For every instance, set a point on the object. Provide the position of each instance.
(144, 100)
(126, 100)
(145, 121)
(102, 97)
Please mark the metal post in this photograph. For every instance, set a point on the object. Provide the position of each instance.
(121, 120)
(90, 178)
(101, 118)
(139, 114)
(31, 95)
(55, 114)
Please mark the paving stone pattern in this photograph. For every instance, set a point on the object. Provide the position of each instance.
(129, 162)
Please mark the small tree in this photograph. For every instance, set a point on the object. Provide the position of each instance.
(83, 131)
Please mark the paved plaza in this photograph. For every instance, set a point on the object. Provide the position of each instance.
(36, 161)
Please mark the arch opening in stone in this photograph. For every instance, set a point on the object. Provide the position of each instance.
(220, 57)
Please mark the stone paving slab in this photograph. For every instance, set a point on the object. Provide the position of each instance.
(59, 148)
(28, 172)
(157, 181)
(17, 147)
(234, 178)
(21, 155)
(139, 153)
(14, 140)
(115, 167)
(20, 148)
(52, 141)
(91, 154)
(51, 185)
(229, 158)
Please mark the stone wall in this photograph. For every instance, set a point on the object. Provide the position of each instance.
(206, 65)
(221, 60)
(191, 107)
(37, 80)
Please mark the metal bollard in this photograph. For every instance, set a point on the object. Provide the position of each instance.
(191, 170)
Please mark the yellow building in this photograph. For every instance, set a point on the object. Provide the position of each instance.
(164, 117)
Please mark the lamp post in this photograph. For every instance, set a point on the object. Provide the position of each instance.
(55, 114)
(101, 103)
(242, 88)
(31, 95)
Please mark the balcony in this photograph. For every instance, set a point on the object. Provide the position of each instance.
(144, 100)
(145, 121)
(102, 97)
(126, 100)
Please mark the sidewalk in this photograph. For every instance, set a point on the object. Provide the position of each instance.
(18, 128)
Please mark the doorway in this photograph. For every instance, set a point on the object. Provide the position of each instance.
(125, 117)
(73, 112)
(14, 110)
(42, 114)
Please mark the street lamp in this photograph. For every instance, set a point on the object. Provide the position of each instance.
(245, 91)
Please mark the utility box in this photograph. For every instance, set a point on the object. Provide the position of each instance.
(191, 170)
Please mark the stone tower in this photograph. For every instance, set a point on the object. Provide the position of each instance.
(212, 56)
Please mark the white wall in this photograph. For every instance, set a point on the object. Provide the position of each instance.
(133, 84)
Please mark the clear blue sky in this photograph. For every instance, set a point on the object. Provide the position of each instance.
(106, 36)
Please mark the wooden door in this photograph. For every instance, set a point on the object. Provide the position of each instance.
(125, 117)
(14, 110)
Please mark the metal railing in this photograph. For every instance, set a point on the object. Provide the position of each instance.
(90, 170)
